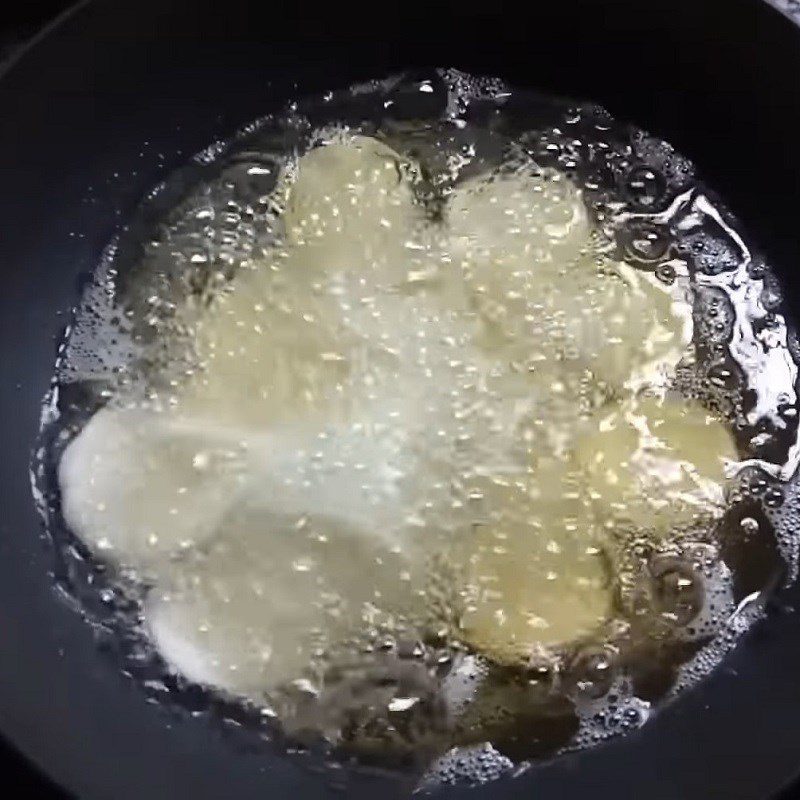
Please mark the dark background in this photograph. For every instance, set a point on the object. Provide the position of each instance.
(20, 20)
(19, 23)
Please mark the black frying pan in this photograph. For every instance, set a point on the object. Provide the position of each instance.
(119, 93)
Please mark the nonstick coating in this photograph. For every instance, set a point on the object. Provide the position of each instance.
(105, 105)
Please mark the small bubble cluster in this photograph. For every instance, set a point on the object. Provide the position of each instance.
(614, 714)
(467, 766)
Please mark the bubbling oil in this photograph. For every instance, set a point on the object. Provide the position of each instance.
(433, 425)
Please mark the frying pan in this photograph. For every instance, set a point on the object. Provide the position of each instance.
(118, 93)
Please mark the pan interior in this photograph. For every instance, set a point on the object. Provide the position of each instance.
(643, 453)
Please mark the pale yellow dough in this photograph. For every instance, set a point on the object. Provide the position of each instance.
(378, 385)
(535, 570)
(523, 241)
(352, 203)
(140, 486)
(255, 611)
(656, 462)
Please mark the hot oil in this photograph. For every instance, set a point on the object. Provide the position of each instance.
(433, 427)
